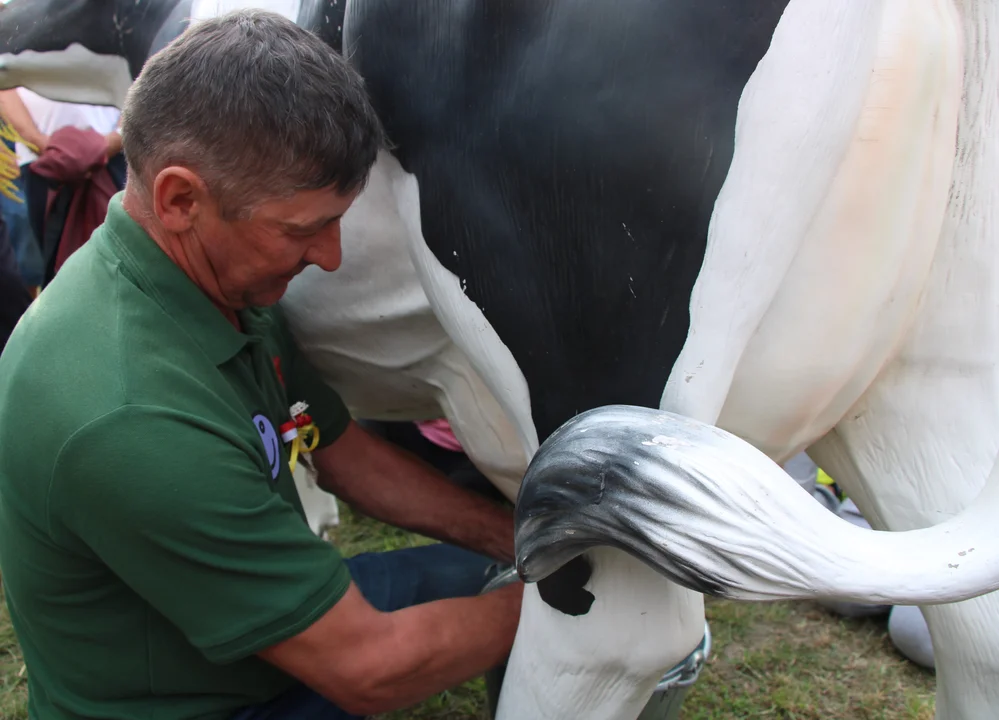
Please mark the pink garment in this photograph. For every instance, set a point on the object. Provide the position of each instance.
(439, 433)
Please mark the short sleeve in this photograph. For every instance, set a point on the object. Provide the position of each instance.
(303, 382)
(182, 514)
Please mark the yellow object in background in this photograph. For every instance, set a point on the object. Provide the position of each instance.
(823, 479)
(9, 169)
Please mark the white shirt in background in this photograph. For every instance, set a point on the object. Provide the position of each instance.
(50, 115)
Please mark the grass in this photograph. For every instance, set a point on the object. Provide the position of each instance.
(13, 682)
(785, 661)
(798, 661)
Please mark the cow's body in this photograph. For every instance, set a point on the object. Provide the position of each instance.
(752, 217)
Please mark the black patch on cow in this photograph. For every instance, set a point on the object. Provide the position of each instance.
(564, 591)
(569, 154)
(325, 19)
(173, 25)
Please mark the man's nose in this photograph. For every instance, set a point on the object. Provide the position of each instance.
(326, 251)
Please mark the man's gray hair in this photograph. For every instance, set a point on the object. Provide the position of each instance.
(257, 106)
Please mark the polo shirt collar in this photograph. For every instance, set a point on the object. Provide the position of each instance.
(170, 287)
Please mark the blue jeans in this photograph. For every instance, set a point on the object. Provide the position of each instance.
(30, 263)
(389, 581)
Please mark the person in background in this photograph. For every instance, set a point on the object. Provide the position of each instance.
(14, 211)
(37, 119)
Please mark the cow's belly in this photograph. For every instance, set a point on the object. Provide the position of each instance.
(801, 303)
(368, 328)
(372, 334)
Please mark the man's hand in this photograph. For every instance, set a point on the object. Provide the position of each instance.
(393, 486)
(368, 662)
(113, 140)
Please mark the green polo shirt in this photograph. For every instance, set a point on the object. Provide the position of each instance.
(151, 536)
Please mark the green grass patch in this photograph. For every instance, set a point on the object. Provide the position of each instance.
(13, 678)
(797, 661)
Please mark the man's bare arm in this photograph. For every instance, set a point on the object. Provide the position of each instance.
(368, 662)
(16, 113)
(394, 486)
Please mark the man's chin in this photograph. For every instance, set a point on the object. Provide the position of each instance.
(268, 297)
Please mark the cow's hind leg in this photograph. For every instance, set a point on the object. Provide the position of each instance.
(919, 444)
(910, 462)
(897, 350)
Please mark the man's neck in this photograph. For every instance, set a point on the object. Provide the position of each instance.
(185, 255)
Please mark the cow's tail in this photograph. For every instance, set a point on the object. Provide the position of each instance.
(715, 515)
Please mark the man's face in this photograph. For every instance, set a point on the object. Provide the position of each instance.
(254, 259)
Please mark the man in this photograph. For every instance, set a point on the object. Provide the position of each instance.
(154, 553)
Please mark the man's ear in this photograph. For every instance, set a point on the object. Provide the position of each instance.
(179, 197)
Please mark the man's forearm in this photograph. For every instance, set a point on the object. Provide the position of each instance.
(369, 662)
(394, 486)
(16, 113)
(439, 645)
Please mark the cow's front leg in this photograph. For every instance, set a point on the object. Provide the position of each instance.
(595, 638)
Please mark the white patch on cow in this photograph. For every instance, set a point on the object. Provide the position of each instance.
(919, 446)
(75, 74)
(823, 234)
(370, 331)
(476, 340)
(639, 627)
(461, 318)
(207, 9)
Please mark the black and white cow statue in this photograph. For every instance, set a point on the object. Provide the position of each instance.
(650, 219)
